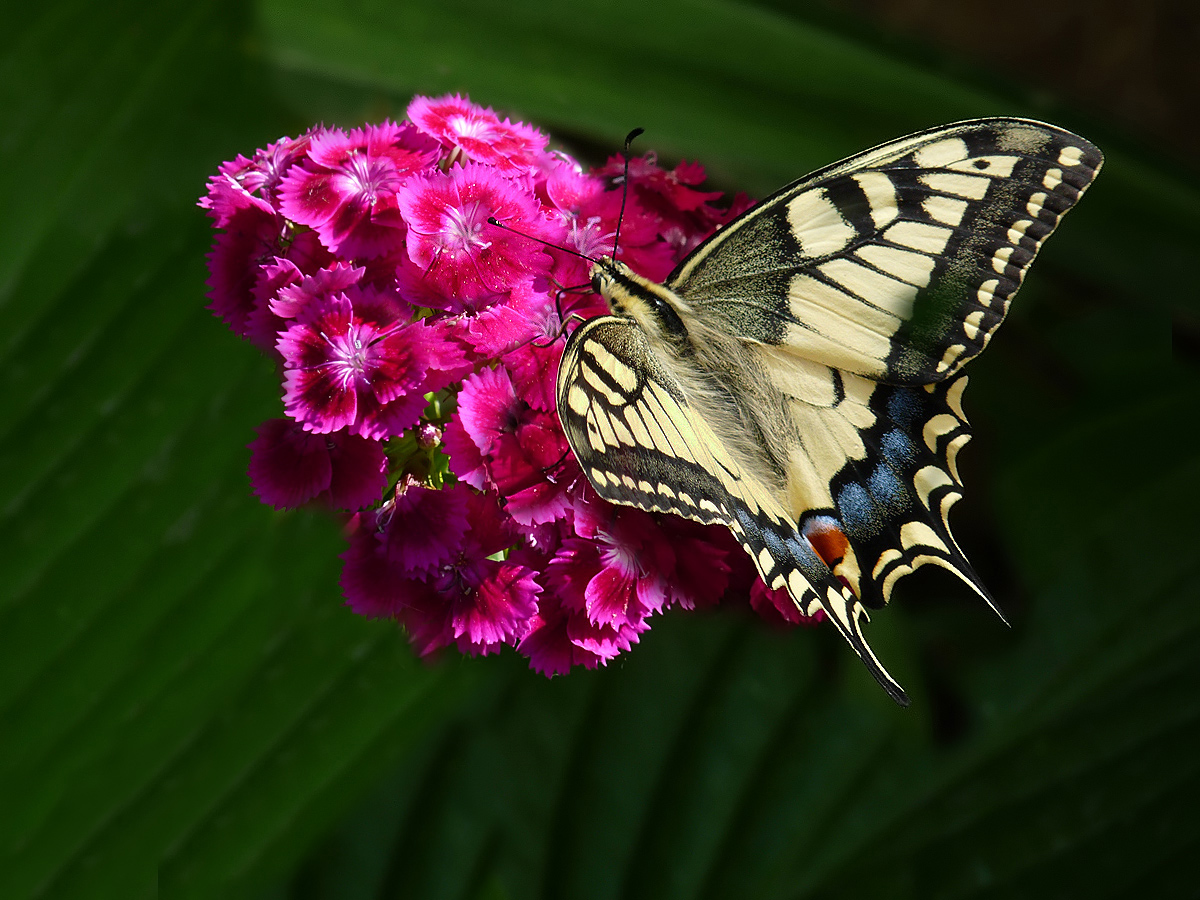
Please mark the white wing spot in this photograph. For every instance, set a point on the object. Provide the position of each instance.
(817, 224)
(641, 434)
(940, 154)
(1000, 260)
(928, 480)
(954, 396)
(987, 291)
(930, 239)
(937, 427)
(1069, 156)
(595, 440)
(952, 449)
(973, 187)
(604, 430)
(805, 292)
(1018, 229)
(675, 445)
(881, 194)
(918, 534)
(944, 209)
(577, 400)
(1053, 179)
(617, 370)
(914, 268)
(596, 381)
(886, 558)
(797, 585)
(971, 324)
(867, 283)
(1035, 204)
(623, 434)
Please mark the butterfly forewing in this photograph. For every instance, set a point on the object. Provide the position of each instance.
(830, 323)
(623, 416)
(898, 263)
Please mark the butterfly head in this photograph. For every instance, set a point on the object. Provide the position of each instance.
(655, 308)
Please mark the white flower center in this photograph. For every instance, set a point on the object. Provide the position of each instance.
(462, 227)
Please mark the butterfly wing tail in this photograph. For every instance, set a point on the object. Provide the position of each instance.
(785, 558)
(895, 511)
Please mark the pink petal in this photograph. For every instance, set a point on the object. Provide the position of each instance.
(288, 466)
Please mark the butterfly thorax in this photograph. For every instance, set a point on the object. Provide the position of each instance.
(718, 374)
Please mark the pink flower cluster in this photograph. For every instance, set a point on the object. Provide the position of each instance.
(419, 345)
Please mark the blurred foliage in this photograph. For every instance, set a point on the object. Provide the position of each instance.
(187, 709)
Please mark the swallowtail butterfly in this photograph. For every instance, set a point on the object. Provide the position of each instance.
(798, 377)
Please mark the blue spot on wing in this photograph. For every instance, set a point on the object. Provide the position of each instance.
(904, 408)
(858, 512)
(775, 544)
(887, 489)
(898, 448)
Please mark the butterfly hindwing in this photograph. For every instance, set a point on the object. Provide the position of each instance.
(893, 503)
(641, 444)
(898, 263)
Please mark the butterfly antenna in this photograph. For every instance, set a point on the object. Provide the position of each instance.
(492, 220)
(624, 190)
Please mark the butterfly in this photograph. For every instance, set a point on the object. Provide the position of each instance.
(798, 376)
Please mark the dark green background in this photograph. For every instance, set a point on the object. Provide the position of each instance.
(185, 706)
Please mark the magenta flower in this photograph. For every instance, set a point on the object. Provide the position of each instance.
(778, 608)
(304, 292)
(450, 239)
(244, 271)
(350, 365)
(423, 527)
(290, 467)
(703, 571)
(454, 592)
(619, 567)
(476, 133)
(251, 239)
(252, 182)
(418, 347)
(346, 189)
(559, 639)
(500, 441)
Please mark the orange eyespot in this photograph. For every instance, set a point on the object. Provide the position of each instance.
(828, 540)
